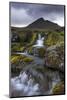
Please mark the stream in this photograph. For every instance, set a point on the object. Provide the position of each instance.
(30, 80)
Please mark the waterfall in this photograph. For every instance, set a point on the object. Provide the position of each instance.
(39, 36)
(39, 42)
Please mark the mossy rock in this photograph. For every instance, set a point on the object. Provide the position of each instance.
(59, 88)
(60, 49)
(54, 38)
(28, 38)
(27, 59)
(30, 50)
(54, 57)
(17, 47)
(41, 52)
(16, 58)
(18, 62)
(20, 58)
(33, 38)
(21, 49)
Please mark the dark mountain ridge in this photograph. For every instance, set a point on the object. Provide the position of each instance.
(43, 24)
(40, 24)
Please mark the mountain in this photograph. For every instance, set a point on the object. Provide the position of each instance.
(43, 24)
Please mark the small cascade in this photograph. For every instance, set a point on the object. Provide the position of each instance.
(39, 42)
(24, 85)
(23, 53)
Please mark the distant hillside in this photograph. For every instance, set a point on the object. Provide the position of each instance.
(43, 24)
(39, 24)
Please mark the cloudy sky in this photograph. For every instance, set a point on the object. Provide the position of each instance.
(23, 14)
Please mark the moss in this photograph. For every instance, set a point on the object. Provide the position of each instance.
(25, 36)
(17, 47)
(30, 50)
(21, 48)
(59, 88)
(16, 64)
(27, 59)
(33, 38)
(54, 38)
(16, 58)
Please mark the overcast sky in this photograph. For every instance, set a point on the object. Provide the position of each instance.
(23, 14)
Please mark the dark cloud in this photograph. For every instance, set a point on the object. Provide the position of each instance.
(23, 14)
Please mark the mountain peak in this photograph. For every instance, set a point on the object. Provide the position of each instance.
(42, 19)
(43, 24)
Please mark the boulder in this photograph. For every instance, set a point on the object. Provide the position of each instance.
(54, 57)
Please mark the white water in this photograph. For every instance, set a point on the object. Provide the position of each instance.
(39, 42)
(25, 53)
(24, 85)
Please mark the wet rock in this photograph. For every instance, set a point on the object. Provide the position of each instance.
(54, 57)
(38, 51)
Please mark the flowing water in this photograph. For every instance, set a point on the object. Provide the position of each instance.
(23, 53)
(33, 83)
(30, 81)
(39, 42)
(24, 85)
